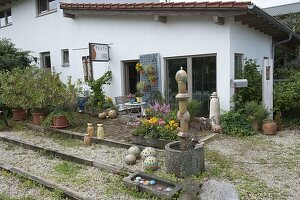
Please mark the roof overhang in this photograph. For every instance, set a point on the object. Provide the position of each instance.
(244, 12)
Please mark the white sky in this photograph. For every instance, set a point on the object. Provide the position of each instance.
(270, 3)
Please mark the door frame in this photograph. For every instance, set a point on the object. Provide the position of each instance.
(125, 75)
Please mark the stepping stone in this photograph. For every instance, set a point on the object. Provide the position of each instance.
(215, 190)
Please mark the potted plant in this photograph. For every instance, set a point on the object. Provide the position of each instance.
(139, 68)
(139, 97)
(13, 91)
(256, 114)
(131, 98)
(269, 127)
(142, 86)
(59, 118)
(150, 70)
(152, 79)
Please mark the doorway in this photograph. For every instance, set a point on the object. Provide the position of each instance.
(131, 77)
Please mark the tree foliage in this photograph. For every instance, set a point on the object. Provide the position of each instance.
(11, 57)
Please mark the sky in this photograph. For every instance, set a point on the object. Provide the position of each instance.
(270, 3)
(260, 3)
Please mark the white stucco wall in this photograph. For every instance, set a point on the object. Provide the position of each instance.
(131, 36)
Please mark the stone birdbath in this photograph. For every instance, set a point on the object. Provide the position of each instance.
(185, 157)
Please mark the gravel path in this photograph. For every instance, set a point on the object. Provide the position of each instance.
(95, 152)
(251, 154)
(13, 187)
(89, 181)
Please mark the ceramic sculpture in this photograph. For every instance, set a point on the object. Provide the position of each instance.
(148, 151)
(135, 151)
(130, 159)
(150, 163)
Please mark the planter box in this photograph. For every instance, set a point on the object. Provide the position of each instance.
(156, 190)
(150, 142)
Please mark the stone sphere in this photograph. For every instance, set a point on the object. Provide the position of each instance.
(135, 151)
(102, 115)
(151, 163)
(148, 151)
(112, 114)
(130, 159)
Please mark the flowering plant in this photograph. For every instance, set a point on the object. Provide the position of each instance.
(161, 123)
(138, 67)
(130, 96)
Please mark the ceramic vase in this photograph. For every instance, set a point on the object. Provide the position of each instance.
(100, 131)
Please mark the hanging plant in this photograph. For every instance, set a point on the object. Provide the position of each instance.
(142, 86)
(150, 70)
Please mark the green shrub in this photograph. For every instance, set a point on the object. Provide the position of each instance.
(254, 90)
(235, 123)
(255, 112)
(194, 107)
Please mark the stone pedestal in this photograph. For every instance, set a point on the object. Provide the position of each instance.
(184, 163)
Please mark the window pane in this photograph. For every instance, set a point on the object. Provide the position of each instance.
(65, 54)
(9, 18)
(204, 81)
(43, 6)
(238, 65)
(173, 66)
(2, 19)
(52, 4)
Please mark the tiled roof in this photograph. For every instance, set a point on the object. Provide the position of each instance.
(283, 9)
(154, 6)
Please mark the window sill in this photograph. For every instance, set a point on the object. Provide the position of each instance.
(46, 13)
(7, 25)
(65, 65)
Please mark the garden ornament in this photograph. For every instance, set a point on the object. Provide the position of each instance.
(148, 151)
(102, 115)
(100, 131)
(112, 114)
(214, 111)
(90, 129)
(150, 163)
(135, 151)
(130, 159)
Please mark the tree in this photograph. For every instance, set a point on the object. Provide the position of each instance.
(11, 57)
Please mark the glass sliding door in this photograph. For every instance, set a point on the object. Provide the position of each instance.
(204, 80)
(173, 65)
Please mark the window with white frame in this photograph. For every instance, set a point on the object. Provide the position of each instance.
(5, 18)
(45, 6)
(65, 57)
(238, 65)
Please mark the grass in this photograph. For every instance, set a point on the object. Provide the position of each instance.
(67, 169)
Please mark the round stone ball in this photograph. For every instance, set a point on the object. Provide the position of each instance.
(151, 163)
(135, 151)
(102, 115)
(148, 151)
(130, 159)
(112, 114)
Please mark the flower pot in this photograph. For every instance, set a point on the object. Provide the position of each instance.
(153, 83)
(59, 122)
(37, 118)
(19, 114)
(139, 99)
(142, 72)
(269, 127)
(132, 100)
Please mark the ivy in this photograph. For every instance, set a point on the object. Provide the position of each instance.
(98, 96)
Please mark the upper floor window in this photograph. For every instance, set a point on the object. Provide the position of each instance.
(65, 57)
(5, 18)
(45, 6)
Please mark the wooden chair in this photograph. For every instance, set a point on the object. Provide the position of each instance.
(120, 101)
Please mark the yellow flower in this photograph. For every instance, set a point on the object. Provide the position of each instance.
(171, 122)
(145, 122)
(167, 126)
(153, 120)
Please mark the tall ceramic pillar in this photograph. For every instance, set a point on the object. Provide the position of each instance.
(183, 114)
(214, 110)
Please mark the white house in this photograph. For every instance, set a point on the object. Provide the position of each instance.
(209, 40)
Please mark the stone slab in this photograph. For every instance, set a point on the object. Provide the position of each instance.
(216, 190)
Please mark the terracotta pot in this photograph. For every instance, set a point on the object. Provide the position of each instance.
(60, 122)
(19, 114)
(37, 118)
(269, 127)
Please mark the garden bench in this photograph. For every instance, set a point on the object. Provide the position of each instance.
(3, 117)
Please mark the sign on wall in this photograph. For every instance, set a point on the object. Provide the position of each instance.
(99, 52)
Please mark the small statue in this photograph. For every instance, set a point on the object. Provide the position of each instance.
(87, 140)
(90, 129)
